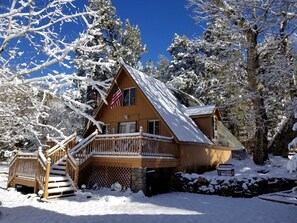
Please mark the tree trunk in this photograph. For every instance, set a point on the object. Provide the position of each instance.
(260, 153)
(279, 144)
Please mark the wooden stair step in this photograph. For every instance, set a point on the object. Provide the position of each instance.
(60, 195)
(59, 184)
(58, 172)
(57, 167)
(60, 190)
(55, 178)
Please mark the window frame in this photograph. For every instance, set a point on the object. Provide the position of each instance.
(154, 126)
(126, 123)
(129, 96)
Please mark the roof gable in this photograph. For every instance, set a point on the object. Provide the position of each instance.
(168, 107)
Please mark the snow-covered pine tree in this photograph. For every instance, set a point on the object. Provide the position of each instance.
(162, 67)
(211, 70)
(185, 67)
(114, 42)
(225, 77)
(255, 21)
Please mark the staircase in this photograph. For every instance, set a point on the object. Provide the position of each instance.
(48, 171)
(59, 184)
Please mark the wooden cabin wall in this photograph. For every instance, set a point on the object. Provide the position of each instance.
(140, 113)
(199, 157)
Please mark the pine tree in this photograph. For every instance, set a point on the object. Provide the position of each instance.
(185, 67)
(114, 42)
(255, 21)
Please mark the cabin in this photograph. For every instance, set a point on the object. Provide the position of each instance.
(146, 136)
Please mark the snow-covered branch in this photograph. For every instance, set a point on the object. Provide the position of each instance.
(40, 93)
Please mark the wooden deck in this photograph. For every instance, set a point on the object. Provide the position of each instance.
(134, 150)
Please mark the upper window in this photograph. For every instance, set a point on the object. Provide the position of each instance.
(154, 127)
(129, 96)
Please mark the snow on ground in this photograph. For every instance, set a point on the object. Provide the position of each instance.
(109, 206)
(276, 166)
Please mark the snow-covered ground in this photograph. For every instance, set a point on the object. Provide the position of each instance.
(109, 206)
(276, 166)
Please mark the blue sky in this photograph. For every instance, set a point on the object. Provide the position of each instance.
(158, 20)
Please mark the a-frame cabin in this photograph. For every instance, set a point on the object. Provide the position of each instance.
(147, 136)
(174, 137)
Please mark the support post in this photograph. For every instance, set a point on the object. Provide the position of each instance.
(47, 174)
(76, 172)
(140, 140)
(37, 174)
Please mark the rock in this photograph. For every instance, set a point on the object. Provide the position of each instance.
(202, 181)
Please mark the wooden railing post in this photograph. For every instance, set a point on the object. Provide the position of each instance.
(12, 170)
(47, 174)
(37, 173)
(76, 172)
(67, 164)
(140, 140)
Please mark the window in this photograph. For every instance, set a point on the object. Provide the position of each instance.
(129, 96)
(154, 127)
(127, 127)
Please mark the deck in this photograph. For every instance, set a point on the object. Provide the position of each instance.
(69, 159)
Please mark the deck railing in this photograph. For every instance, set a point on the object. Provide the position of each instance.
(132, 144)
(36, 166)
(24, 165)
(32, 166)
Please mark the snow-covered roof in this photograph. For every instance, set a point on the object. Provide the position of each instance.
(200, 110)
(169, 108)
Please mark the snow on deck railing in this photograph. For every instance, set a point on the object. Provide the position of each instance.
(135, 144)
(124, 135)
(126, 144)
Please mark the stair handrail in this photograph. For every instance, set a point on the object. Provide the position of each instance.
(63, 143)
(40, 170)
(72, 164)
(83, 143)
(60, 150)
(41, 156)
(72, 169)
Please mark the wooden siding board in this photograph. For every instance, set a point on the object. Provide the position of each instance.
(141, 162)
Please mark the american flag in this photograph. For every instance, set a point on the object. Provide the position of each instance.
(116, 99)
